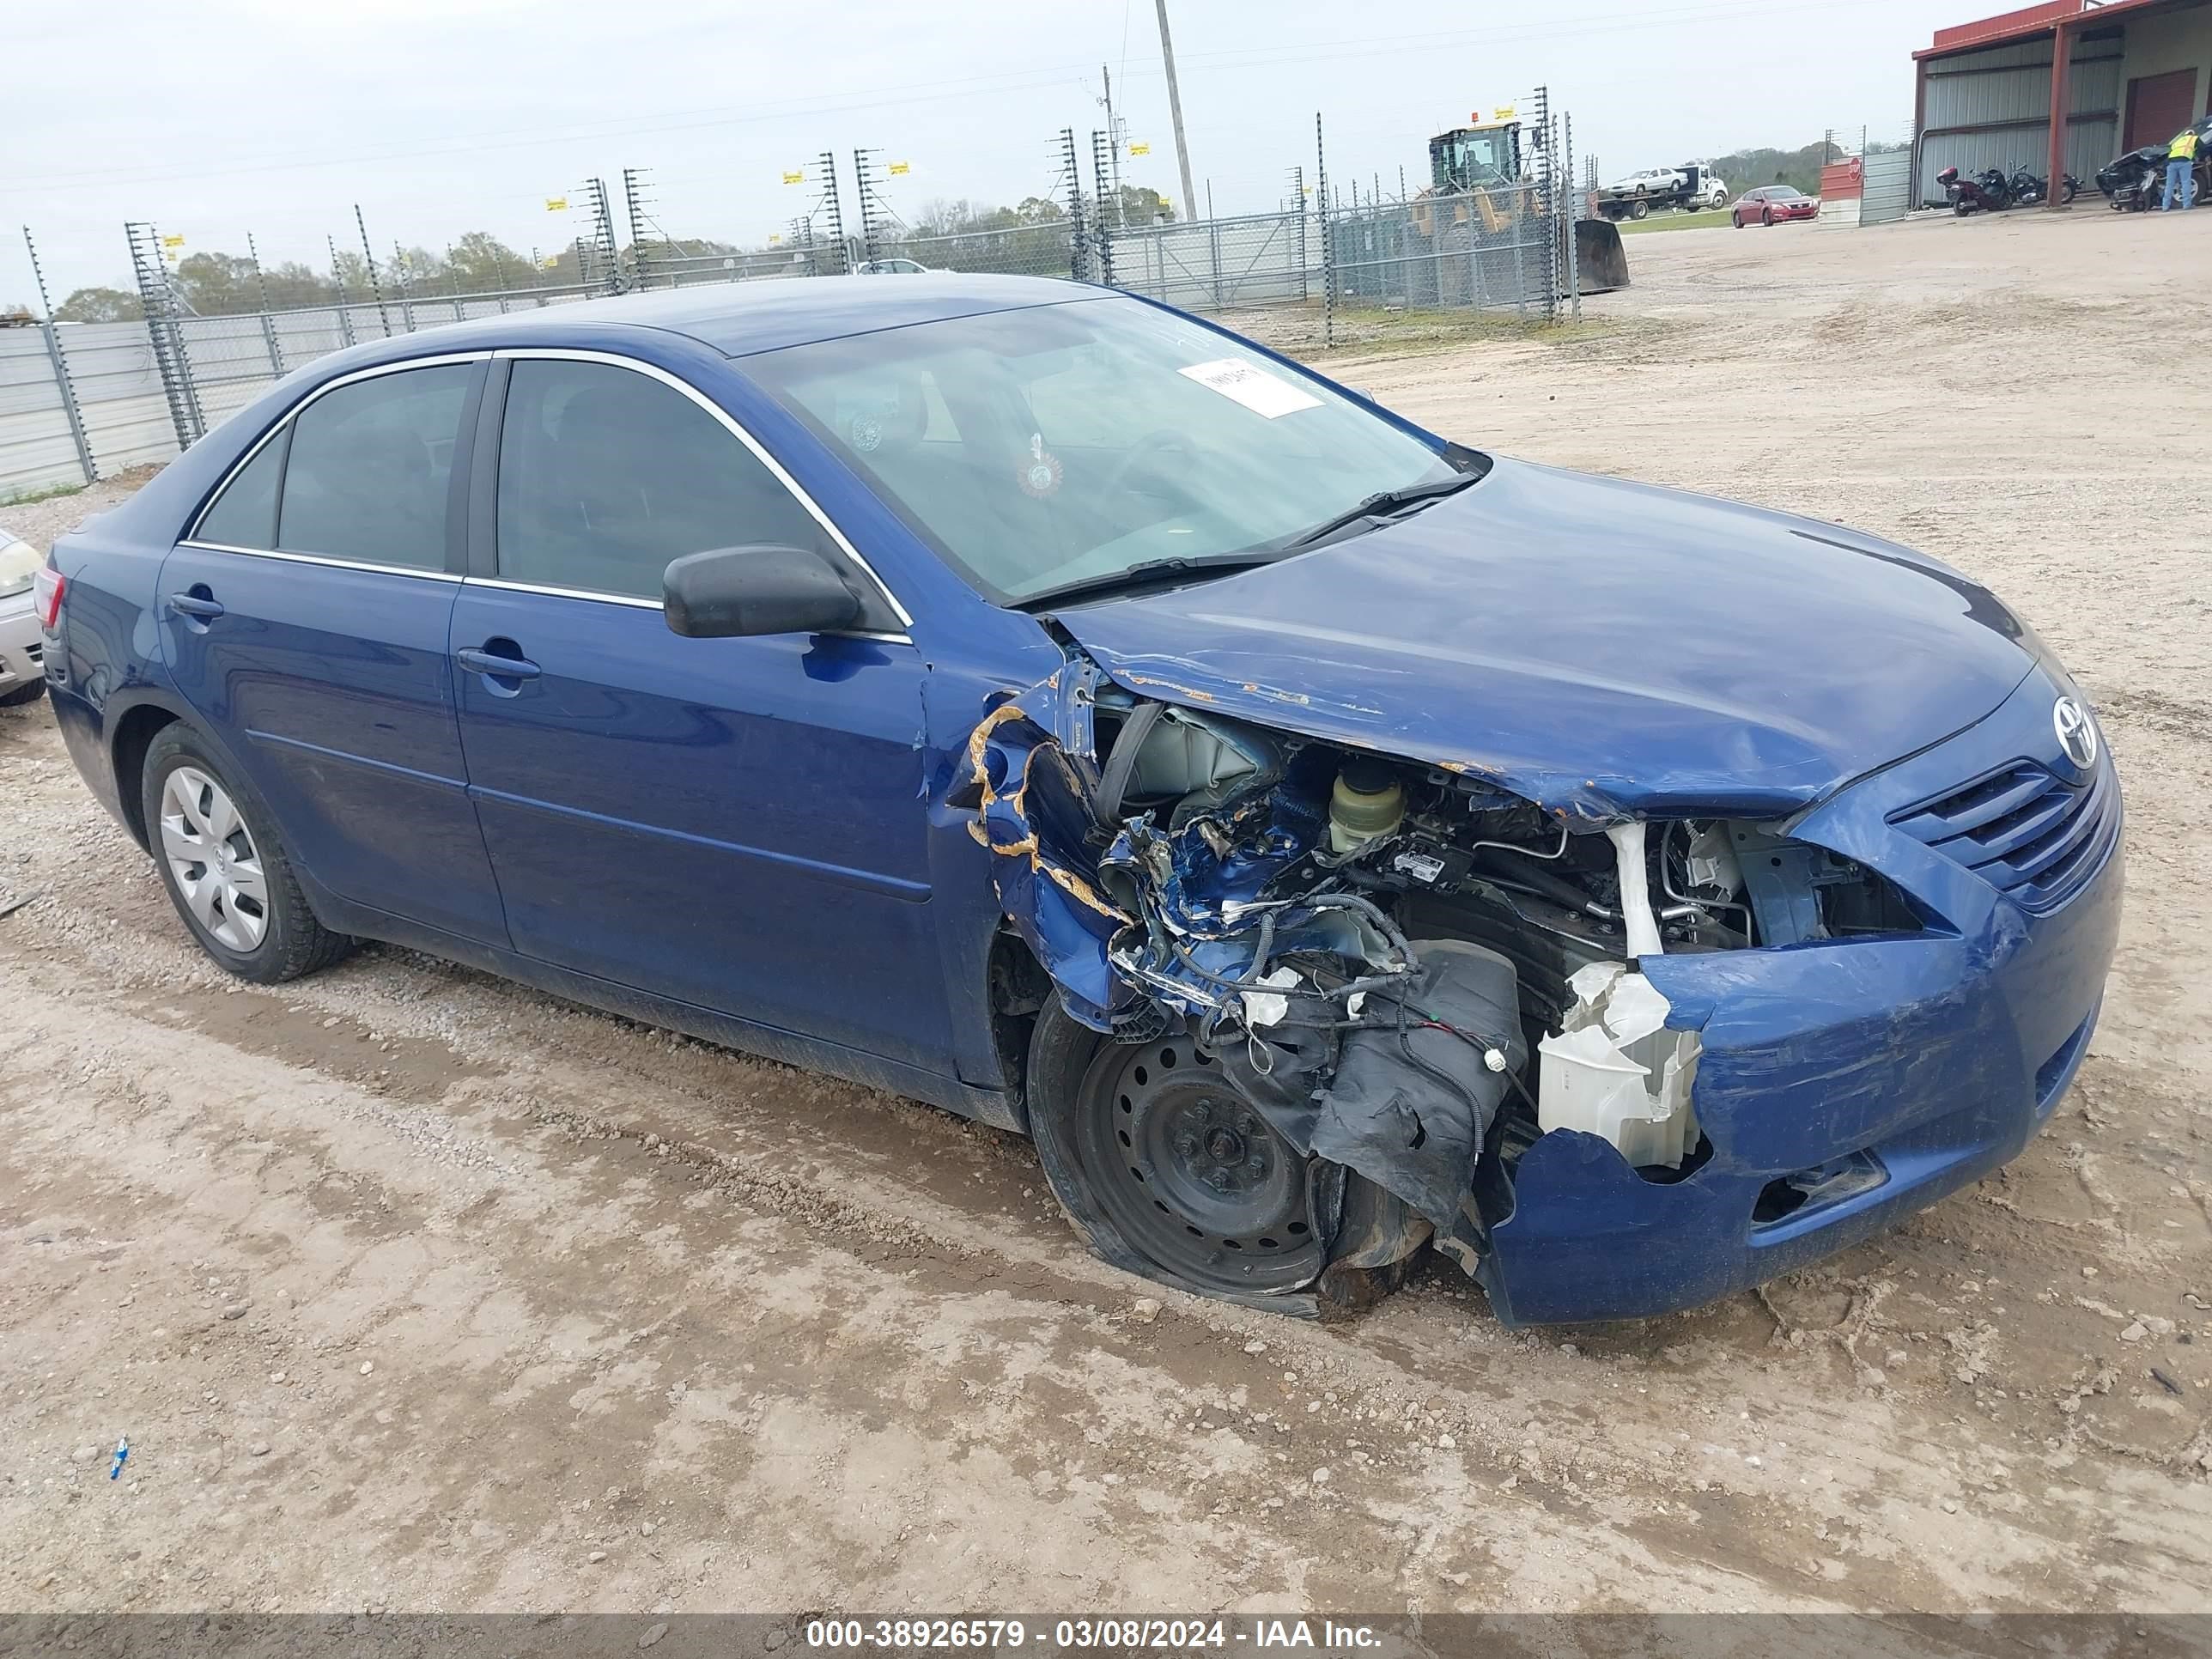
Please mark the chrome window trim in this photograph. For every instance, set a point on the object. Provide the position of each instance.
(192, 534)
(324, 559)
(677, 383)
(505, 586)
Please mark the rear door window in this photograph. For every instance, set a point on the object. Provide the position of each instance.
(606, 474)
(371, 469)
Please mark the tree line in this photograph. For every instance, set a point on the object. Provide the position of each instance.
(216, 284)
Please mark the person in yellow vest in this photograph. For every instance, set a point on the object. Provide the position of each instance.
(2181, 171)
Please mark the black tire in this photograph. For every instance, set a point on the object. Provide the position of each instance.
(2067, 192)
(1098, 1132)
(1642, 208)
(1767, 217)
(292, 941)
(29, 692)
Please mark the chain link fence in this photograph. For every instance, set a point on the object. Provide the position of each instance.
(1483, 250)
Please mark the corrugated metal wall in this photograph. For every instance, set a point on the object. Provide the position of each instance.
(2004, 92)
(126, 420)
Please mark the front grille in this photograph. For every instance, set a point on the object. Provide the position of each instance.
(2023, 830)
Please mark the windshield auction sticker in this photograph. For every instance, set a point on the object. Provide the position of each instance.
(1257, 390)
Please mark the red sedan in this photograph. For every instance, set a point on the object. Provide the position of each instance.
(1774, 205)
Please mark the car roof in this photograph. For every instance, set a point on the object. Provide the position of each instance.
(740, 319)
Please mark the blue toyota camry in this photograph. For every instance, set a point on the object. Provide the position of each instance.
(1324, 839)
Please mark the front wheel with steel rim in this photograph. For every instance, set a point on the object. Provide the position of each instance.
(223, 862)
(1165, 1169)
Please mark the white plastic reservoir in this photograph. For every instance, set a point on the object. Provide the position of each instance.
(1617, 1071)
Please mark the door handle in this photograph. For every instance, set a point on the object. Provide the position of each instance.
(195, 605)
(496, 666)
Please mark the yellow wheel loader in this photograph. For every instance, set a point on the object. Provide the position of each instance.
(1484, 164)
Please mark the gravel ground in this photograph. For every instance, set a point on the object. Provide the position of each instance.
(414, 1290)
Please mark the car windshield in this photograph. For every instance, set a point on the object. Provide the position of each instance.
(1063, 445)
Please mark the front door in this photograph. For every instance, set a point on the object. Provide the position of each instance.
(737, 824)
(304, 619)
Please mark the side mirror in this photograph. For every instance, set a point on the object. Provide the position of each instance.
(731, 592)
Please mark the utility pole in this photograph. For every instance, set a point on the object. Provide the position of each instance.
(1114, 126)
(1175, 109)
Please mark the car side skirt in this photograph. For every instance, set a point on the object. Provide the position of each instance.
(994, 1107)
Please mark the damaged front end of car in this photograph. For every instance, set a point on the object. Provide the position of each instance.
(1398, 973)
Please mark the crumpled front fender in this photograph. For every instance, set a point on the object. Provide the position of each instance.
(1032, 778)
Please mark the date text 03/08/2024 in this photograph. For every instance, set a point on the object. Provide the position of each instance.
(1323, 1636)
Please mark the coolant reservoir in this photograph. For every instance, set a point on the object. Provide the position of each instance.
(1368, 801)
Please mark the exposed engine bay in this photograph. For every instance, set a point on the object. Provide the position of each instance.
(1409, 973)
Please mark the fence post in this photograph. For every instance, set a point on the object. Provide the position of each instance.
(158, 301)
(1101, 147)
(1078, 251)
(267, 322)
(1328, 246)
(1574, 219)
(337, 284)
(368, 258)
(60, 362)
(407, 286)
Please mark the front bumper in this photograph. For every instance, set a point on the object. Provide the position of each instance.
(21, 643)
(1906, 1067)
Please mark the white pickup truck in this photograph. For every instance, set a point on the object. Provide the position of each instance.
(1689, 187)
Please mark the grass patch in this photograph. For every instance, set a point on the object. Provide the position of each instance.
(1675, 221)
(1376, 331)
(51, 493)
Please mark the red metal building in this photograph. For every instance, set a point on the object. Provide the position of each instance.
(2121, 74)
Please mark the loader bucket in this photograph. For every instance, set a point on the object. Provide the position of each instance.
(1600, 261)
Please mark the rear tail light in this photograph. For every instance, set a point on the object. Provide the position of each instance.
(47, 588)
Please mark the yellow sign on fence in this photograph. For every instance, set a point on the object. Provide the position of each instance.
(1140, 148)
(173, 241)
(898, 167)
(798, 178)
(557, 204)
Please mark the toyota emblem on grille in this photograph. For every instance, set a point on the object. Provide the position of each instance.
(2077, 733)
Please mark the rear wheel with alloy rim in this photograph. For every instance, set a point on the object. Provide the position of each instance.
(223, 862)
(1164, 1168)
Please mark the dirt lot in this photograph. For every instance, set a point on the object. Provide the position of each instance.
(413, 1290)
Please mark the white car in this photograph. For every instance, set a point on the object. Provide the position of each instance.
(23, 669)
(892, 268)
(1652, 181)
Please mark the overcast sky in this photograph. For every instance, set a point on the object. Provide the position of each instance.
(439, 116)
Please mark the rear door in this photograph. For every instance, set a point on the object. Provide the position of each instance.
(304, 619)
(737, 824)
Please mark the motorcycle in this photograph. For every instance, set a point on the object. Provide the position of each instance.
(1990, 191)
(2028, 189)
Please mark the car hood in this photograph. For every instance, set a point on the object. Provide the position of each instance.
(1596, 646)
